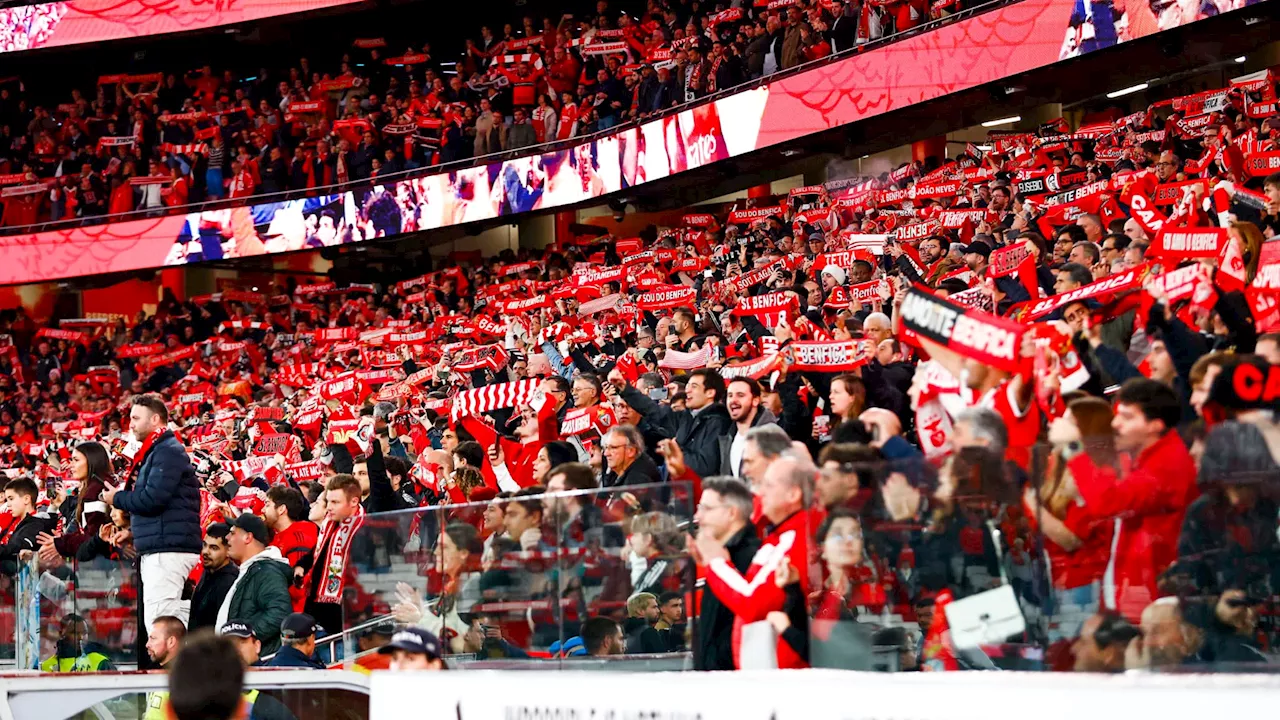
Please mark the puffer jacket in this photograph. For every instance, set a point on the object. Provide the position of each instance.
(260, 597)
(164, 501)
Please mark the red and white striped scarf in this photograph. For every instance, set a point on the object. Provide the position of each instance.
(186, 148)
(493, 397)
(677, 360)
(242, 325)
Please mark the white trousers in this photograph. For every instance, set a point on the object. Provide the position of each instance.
(163, 576)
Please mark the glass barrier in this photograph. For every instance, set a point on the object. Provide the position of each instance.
(1056, 565)
(87, 614)
(518, 579)
(282, 703)
(1060, 561)
(277, 693)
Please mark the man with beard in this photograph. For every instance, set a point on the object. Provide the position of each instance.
(684, 328)
(162, 496)
(746, 412)
(167, 633)
(218, 576)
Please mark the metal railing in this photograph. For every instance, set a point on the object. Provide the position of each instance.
(504, 155)
(328, 642)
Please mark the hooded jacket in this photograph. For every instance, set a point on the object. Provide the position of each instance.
(260, 597)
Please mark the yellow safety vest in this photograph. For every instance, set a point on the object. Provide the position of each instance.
(157, 705)
(85, 663)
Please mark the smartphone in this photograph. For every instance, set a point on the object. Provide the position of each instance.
(658, 394)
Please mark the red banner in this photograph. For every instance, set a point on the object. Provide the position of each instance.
(667, 299)
(1188, 243)
(765, 304)
(1131, 279)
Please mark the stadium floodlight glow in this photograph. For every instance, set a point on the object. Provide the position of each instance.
(1002, 121)
(1241, 59)
(1128, 91)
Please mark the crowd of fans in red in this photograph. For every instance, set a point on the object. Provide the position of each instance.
(909, 390)
(162, 139)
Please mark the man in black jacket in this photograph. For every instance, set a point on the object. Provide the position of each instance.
(218, 577)
(642, 636)
(724, 512)
(163, 500)
(628, 463)
(699, 426)
(843, 30)
(18, 537)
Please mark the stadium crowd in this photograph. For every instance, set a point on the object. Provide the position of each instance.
(1011, 409)
(156, 140)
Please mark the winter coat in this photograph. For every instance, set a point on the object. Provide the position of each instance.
(698, 435)
(164, 501)
(260, 597)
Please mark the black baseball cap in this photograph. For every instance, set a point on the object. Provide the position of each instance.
(255, 526)
(298, 626)
(235, 628)
(979, 247)
(414, 640)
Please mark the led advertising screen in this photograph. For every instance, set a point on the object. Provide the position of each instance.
(981, 49)
(54, 24)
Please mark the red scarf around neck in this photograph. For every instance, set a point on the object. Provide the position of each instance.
(138, 457)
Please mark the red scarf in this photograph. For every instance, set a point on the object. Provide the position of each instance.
(339, 537)
(138, 457)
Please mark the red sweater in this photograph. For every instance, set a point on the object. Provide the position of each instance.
(1151, 500)
(295, 543)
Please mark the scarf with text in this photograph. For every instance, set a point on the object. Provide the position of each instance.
(335, 541)
(989, 339)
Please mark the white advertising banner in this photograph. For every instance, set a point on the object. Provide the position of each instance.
(810, 694)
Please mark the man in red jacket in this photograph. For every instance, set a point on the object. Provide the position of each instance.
(1150, 499)
(286, 513)
(784, 493)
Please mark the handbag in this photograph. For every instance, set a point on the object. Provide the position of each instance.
(988, 617)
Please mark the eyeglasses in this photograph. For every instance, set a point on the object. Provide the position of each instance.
(708, 508)
(623, 446)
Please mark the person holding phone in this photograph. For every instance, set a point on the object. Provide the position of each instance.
(91, 467)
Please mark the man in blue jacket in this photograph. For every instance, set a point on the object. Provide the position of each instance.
(297, 643)
(162, 495)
